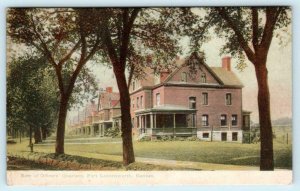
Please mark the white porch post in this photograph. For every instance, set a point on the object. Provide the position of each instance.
(174, 120)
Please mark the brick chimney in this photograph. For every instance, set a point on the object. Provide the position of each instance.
(226, 63)
(109, 89)
(164, 75)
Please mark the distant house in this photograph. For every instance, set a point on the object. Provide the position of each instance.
(192, 100)
(99, 117)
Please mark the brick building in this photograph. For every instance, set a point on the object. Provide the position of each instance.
(98, 116)
(191, 100)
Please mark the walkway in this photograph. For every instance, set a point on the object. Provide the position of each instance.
(189, 165)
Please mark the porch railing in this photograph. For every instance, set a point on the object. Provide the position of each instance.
(184, 131)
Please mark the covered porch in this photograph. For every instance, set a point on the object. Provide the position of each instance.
(167, 121)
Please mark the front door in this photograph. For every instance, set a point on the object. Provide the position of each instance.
(224, 136)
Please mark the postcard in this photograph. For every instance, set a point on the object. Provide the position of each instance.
(149, 96)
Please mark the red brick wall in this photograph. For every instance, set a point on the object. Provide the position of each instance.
(216, 102)
(161, 91)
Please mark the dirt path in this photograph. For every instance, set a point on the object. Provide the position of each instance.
(189, 165)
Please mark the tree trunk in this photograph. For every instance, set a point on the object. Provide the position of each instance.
(126, 127)
(266, 134)
(60, 132)
(44, 133)
(30, 135)
(37, 135)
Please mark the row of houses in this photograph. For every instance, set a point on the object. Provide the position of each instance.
(192, 99)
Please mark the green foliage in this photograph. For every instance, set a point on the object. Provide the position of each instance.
(112, 132)
(31, 95)
(192, 138)
(145, 139)
(242, 28)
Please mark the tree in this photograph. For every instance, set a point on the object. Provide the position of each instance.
(63, 38)
(129, 37)
(250, 30)
(30, 106)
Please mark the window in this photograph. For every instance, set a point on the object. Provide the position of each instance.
(228, 99)
(223, 120)
(183, 77)
(158, 99)
(205, 135)
(234, 136)
(132, 103)
(234, 120)
(133, 85)
(137, 102)
(204, 120)
(203, 78)
(204, 98)
(132, 122)
(192, 102)
(141, 101)
(137, 122)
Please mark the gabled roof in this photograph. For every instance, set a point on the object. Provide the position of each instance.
(108, 99)
(227, 77)
(224, 77)
(115, 103)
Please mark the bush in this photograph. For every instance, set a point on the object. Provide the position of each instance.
(252, 136)
(165, 138)
(144, 139)
(10, 141)
(112, 132)
(193, 138)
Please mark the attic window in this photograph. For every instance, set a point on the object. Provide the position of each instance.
(203, 78)
(183, 77)
(228, 99)
(133, 85)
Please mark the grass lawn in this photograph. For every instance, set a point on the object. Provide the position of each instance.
(210, 152)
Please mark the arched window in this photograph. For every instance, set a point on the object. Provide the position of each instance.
(203, 78)
(183, 77)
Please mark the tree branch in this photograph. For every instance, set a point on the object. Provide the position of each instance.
(68, 55)
(46, 51)
(232, 25)
(109, 45)
(128, 21)
(272, 14)
(254, 28)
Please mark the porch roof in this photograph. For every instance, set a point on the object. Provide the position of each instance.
(166, 109)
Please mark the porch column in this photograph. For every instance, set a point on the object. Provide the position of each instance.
(146, 121)
(103, 129)
(151, 121)
(92, 130)
(174, 118)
